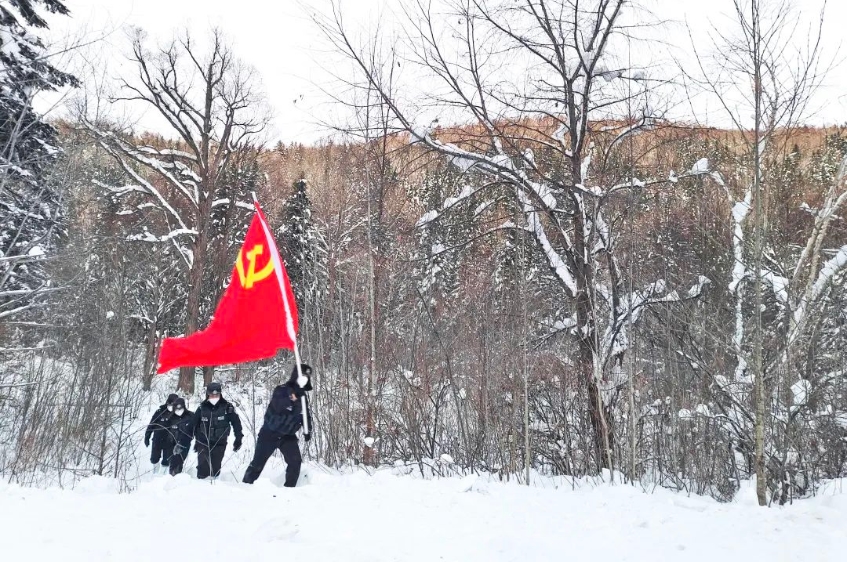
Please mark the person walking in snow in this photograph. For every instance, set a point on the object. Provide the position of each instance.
(210, 428)
(283, 418)
(157, 429)
(178, 435)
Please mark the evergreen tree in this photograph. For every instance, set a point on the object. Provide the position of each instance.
(438, 264)
(231, 215)
(29, 205)
(302, 245)
(26, 142)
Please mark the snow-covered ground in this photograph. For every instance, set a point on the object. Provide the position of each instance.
(355, 516)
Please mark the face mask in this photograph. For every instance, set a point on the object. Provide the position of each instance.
(179, 411)
(170, 408)
(213, 401)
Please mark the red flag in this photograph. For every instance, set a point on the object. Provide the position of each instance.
(256, 316)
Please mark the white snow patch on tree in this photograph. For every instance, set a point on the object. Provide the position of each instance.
(427, 218)
(700, 167)
(801, 391)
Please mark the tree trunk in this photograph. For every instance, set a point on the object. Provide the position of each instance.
(596, 411)
(208, 374)
(758, 374)
(370, 426)
(150, 357)
(195, 277)
(195, 288)
(587, 326)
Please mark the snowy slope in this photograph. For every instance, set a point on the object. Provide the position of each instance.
(356, 517)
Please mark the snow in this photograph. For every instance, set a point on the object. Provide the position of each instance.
(740, 210)
(466, 192)
(565, 324)
(586, 163)
(779, 285)
(482, 207)
(464, 164)
(828, 271)
(553, 258)
(427, 218)
(544, 193)
(559, 133)
(801, 390)
(369, 441)
(700, 167)
(695, 290)
(386, 516)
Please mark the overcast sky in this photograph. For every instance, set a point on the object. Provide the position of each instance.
(279, 40)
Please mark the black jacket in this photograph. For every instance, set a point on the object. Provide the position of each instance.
(157, 423)
(283, 415)
(211, 424)
(178, 429)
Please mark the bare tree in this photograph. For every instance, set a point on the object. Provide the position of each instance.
(210, 101)
(758, 72)
(528, 81)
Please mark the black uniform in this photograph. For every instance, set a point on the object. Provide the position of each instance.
(178, 435)
(283, 418)
(210, 429)
(156, 428)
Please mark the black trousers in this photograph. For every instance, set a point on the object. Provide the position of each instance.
(161, 449)
(266, 444)
(177, 462)
(209, 460)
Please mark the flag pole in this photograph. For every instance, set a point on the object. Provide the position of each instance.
(289, 322)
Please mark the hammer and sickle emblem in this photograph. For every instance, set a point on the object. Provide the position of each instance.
(251, 277)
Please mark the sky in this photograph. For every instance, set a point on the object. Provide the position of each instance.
(279, 39)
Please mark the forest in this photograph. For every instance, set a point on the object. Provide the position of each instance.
(555, 275)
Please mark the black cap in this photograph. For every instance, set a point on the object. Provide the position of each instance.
(213, 388)
(307, 372)
(179, 403)
(171, 398)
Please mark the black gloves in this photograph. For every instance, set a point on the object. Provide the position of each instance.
(147, 440)
(307, 437)
(237, 444)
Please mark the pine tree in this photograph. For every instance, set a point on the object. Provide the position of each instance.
(438, 261)
(302, 245)
(27, 142)
(29, 205)
(230, 218)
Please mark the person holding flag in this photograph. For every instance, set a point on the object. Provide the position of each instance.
(256, 317)
(283, 418)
